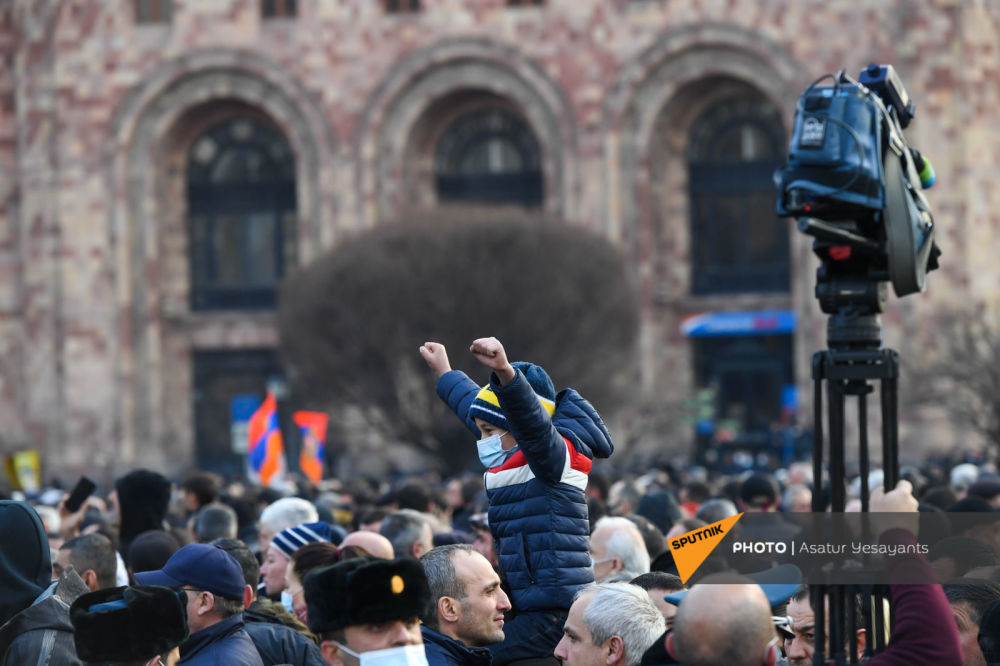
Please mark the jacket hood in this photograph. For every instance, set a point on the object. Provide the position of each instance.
(25, 571)
(576, 419)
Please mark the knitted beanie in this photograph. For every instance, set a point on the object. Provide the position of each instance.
(486, 406)
(290, 540)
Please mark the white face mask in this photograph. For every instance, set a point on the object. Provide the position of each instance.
(286, 601)
(406, 655)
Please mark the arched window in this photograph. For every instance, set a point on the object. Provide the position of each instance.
(738, 243)
(489, 156)
(241, 214)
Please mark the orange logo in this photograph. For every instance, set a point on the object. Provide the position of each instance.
(691, 549)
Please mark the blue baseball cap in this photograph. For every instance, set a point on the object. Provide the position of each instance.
(779, 584)
(201, 566)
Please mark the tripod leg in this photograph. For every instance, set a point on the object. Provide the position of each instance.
(819, 361)
(890, 418)
(838, 497)
(863, 449)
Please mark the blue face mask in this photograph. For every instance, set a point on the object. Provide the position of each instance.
(491, 451)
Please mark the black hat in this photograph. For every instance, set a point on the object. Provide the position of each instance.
(365, 590)
(759, 490)
(128, 623)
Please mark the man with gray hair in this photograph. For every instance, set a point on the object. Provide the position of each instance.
(611, 624)
(467, 607)
(618, 550)
(409, 532)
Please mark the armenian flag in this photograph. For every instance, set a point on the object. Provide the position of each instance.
(313, 428)
(266, 449)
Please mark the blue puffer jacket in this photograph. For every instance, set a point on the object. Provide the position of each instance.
(538, 508)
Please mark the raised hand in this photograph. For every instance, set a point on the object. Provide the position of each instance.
(436, 356)
(490, 352)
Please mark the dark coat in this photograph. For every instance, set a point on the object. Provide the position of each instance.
(538, 506)
(278, 643)
(42, 632)
(225, 643)
(444, 651)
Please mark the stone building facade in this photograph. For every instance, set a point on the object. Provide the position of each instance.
(610, 111)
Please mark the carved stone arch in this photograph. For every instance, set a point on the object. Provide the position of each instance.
(647, 117)
(148, 137)
(469, 71)
(680, 58)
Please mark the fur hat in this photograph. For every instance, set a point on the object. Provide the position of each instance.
(128, 623)
(291, 539)
(365, 590)
(486, 406)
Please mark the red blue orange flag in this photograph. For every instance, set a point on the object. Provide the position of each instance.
(266, 449)
(313, 428)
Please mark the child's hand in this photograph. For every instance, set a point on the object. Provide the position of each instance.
(490, 352)
(436, 356)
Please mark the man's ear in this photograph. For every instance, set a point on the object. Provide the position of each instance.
(331, 653)
(771, 656)
(90, 578)
(670, 645)
(247, 596)
(448, 610)
(616, 650)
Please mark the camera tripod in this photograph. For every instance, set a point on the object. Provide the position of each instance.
(855, 359)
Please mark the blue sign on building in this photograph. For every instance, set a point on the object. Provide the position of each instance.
(755, 322)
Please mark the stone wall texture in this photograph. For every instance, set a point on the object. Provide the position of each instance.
(96, 337)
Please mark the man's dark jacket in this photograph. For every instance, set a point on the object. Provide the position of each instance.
(278, 643)
(444, 651)
(42, 632)
(225, 643)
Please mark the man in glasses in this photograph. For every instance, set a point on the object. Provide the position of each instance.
(212, 582)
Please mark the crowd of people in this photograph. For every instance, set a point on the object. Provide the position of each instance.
(546, 558)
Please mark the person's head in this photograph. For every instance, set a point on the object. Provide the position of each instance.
(211, 579)
(654, 539)
(150, 551)
(414, 494)
(725, 620)
(658, 585)
(961, 477)
(952, 556)
(759, 492)
(372, 542)
(609, 624)
(25, 571)
(93, 557)
(283, 513)
(800, 646)
(467, 603)
(142, 624)
(989, 634)
(249, 565)
(968, 599)
(142, 498)
(485, 409)
(618, 551)
(623, 497)
(409, 532)
(305, 559)
(199, 489)
(365, 604)
(716, 509)
(214, 521)
(281, 548)
(797, 499)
